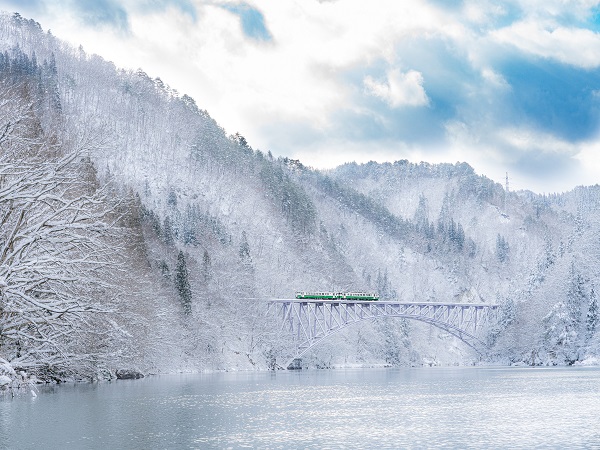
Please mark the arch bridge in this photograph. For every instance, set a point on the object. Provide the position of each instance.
(311, 321)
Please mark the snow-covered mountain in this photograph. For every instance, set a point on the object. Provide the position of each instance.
(197, 226)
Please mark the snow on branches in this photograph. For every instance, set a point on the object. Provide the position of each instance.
(55, 247)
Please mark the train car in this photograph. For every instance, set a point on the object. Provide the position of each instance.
(369, 296)
(317, 295)
(362, 296)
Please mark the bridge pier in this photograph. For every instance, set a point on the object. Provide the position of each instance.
(295, 364)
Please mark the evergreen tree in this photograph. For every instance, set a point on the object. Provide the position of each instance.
(460, 237)
(444, 217)
(421, 218)
(471, 248)
(164, 269)
(239, 140)
(456, 235)
(53, 90)
(592, 315)
(563, 326)
(182, 283)
(206, 267)
(391, 345)
(502, 249)
(189, 226)
(245, 248)
(172, 199)
(576, 297)
(168, 235)
(549, 256)
(384, 287)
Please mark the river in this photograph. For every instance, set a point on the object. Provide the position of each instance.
(357, 408)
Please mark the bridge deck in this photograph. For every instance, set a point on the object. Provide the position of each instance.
(380, 302)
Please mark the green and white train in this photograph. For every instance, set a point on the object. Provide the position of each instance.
(364, 296)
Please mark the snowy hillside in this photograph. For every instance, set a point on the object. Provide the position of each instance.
(198, 226)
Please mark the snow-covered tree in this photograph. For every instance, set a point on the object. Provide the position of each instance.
(206, 267)
(182, 283)
(576, 298)
(245, 249)
(564, 330)
(56, 247)
(560, 335)
(592, 315)
(502, 248)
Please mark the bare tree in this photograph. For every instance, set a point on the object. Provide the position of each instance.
(56, 251)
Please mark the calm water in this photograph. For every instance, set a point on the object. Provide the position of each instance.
(370, 408)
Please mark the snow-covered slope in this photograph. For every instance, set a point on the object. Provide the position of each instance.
(218, 224)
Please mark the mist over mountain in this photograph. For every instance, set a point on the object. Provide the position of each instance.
(136, 234)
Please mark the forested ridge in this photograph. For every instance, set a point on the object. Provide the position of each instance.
(136, 234)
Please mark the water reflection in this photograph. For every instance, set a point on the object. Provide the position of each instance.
(409, 408)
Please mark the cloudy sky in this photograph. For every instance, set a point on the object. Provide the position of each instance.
(506, 87)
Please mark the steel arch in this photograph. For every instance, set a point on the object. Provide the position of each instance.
(312, 321)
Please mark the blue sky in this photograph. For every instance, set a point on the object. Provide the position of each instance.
(504, 86)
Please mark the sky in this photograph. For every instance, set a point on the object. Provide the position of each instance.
(508, 87)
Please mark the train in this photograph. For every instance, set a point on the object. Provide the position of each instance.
(364, 296)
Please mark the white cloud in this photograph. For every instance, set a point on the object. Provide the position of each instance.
(302, 81)
(511, 149)
(494, 78)
(575, 46)
(482, 12)
(528, 140)
(400, 89)
(579, 9)
(245, 84)
(589, 157)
